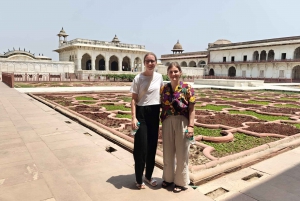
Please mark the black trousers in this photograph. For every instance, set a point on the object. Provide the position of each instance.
(145, 141)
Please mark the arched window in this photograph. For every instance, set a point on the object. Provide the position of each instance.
(201, 64)
(297, 53)
(183, 64)
(271, 55)
(263, 55)
(255, 56)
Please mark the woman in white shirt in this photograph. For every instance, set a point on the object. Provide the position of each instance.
(145, 108)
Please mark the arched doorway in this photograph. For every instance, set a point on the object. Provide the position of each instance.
(86, 62)
(137, 64)
(211, 72)
(126, 64)
(231, 71)
(113, 63)
(192, 64)
(183, 64)
(100, 62)
(296, 73)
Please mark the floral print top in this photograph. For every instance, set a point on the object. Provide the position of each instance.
(184, 94)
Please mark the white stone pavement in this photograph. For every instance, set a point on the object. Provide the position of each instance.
(278, 180)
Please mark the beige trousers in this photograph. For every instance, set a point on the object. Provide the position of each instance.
(175, 148)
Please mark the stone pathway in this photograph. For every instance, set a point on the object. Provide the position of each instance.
(274, 179)
(45, 156)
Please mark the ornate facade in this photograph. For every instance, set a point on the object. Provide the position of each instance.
(270, 58)
(93, 56)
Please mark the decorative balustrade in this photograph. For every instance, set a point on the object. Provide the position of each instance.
(255, 61)
(266, 80)
(101, 43)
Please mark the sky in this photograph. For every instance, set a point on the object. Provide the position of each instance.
(157, 24)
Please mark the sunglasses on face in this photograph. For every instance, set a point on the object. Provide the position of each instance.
(150, 61)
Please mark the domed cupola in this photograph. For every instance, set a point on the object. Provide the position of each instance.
(63, 34)
(116, 39)
(177, 48)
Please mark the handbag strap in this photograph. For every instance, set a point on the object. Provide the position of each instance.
(140, 96)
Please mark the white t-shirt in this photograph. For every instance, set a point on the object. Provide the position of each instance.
(152, 96)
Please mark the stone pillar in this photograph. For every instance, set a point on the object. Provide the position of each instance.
(120, 65)
(93, 63)
(78, 66)
(107, 64)
(132, 65)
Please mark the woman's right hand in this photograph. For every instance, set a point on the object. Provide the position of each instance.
(134, 124)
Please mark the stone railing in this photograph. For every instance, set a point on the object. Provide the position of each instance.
(102, 43)
(266, 79)
(8, 79)
(255, 61)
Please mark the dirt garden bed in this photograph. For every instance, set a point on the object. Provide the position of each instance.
(226, 119)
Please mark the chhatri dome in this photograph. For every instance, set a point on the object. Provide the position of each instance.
(115, 39)
(177, 48)
(222, 41)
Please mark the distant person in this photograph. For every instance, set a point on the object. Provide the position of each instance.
(145, 108)
(177, 117)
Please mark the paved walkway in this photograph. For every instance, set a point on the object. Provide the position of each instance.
(45, 158)
(276, 179)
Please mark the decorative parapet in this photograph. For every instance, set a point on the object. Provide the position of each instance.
(265, 42)
(193, 54)
(79, 41)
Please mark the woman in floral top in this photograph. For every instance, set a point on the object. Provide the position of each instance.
(177, 117)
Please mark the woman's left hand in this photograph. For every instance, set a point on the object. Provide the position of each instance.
(190, 132)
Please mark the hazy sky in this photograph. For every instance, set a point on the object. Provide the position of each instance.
(34, 24)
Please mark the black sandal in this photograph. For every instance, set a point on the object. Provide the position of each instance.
(179, 189)
(165, 184)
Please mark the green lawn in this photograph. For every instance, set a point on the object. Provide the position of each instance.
(87, 102)
(84, 98)
(257, 102)
(126, 99)
(128, 116)
(287, 105)
(260, 116)
(241, 143)
(116, 107)
(213, 107)
(207, 132)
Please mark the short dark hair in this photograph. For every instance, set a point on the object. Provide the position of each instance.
(175, 64)
(150, 53)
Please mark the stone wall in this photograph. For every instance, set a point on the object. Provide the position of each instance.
(36, 66)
